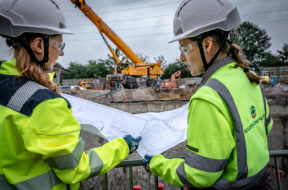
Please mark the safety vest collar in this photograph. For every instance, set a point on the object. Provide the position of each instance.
(214, 67)
(9, 68)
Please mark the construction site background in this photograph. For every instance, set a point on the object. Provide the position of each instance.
(156, 100)
(147, 99)
(277, 73)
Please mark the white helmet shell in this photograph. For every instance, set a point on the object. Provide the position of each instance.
(31, 16)
(194, 17)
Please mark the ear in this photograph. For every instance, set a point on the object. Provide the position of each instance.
(207, 44)
(37, 45)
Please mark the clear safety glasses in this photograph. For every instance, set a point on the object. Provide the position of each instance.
(59, 45)
(184, 49)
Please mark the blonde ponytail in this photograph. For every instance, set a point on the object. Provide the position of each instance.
(30, 70)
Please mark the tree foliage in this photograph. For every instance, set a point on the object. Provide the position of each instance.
(94, 69)
(174, 67)
(102, 67)
(99, 68)
(283, 54)
(254, 42)
(76, 70)
(269, 60)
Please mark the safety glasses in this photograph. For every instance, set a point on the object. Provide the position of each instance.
(184, 49)
(59, 45)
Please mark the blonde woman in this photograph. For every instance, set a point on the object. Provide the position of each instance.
(39, 136)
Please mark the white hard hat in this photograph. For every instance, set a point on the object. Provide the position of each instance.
(31, 16)
(195, 17)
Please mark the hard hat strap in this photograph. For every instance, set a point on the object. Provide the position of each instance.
(205, 64)
(202, 54)
(30, 52)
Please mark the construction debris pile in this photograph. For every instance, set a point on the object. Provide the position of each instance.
(277, 94)
(135, 95)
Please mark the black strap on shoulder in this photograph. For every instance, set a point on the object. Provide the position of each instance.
(30, 52)
(24, 95)
(223, 35)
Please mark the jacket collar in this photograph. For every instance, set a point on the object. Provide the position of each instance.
(9, 68)
(214, 67)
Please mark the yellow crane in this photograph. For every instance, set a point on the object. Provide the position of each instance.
(129, 73)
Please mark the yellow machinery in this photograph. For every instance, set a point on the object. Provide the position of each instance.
(85, 84)
(151, 71)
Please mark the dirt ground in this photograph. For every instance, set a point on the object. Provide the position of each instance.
(135, 95)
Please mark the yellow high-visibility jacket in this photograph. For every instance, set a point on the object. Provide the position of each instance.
(228, 123)
(39, 139)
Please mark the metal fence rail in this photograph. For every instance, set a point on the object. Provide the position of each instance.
(275, 154)
(133, 163)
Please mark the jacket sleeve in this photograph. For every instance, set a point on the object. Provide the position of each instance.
(53, 132)
(209, 145)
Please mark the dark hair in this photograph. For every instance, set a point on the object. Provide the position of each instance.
(231, 49)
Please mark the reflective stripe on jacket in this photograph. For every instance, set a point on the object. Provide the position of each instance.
(39, 139)
(226, 136)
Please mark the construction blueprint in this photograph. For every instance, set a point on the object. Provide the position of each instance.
(159, 131)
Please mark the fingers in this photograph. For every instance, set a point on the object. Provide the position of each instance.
(138, 139)
(133, 143)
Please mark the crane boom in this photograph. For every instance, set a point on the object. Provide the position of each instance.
(104, 28)
(149, 71)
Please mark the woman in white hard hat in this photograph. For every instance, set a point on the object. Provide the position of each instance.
(39, 136)
(229, 118)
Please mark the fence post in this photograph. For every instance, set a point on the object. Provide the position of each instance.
(130, 177)
(156, 182)
(277, 173)
(278, 73)
(105, 181)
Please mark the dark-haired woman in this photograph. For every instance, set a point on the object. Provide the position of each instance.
(229, 118)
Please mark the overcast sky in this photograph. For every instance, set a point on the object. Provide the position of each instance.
(146, 26)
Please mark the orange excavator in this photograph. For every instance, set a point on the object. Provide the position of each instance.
(172, 83)
(128, 73)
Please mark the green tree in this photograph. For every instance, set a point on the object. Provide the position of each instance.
(283, 54)
(270, 60)
(101, 68)
(77, 70)
(254, 41)
(96, 69)
(174, 67)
